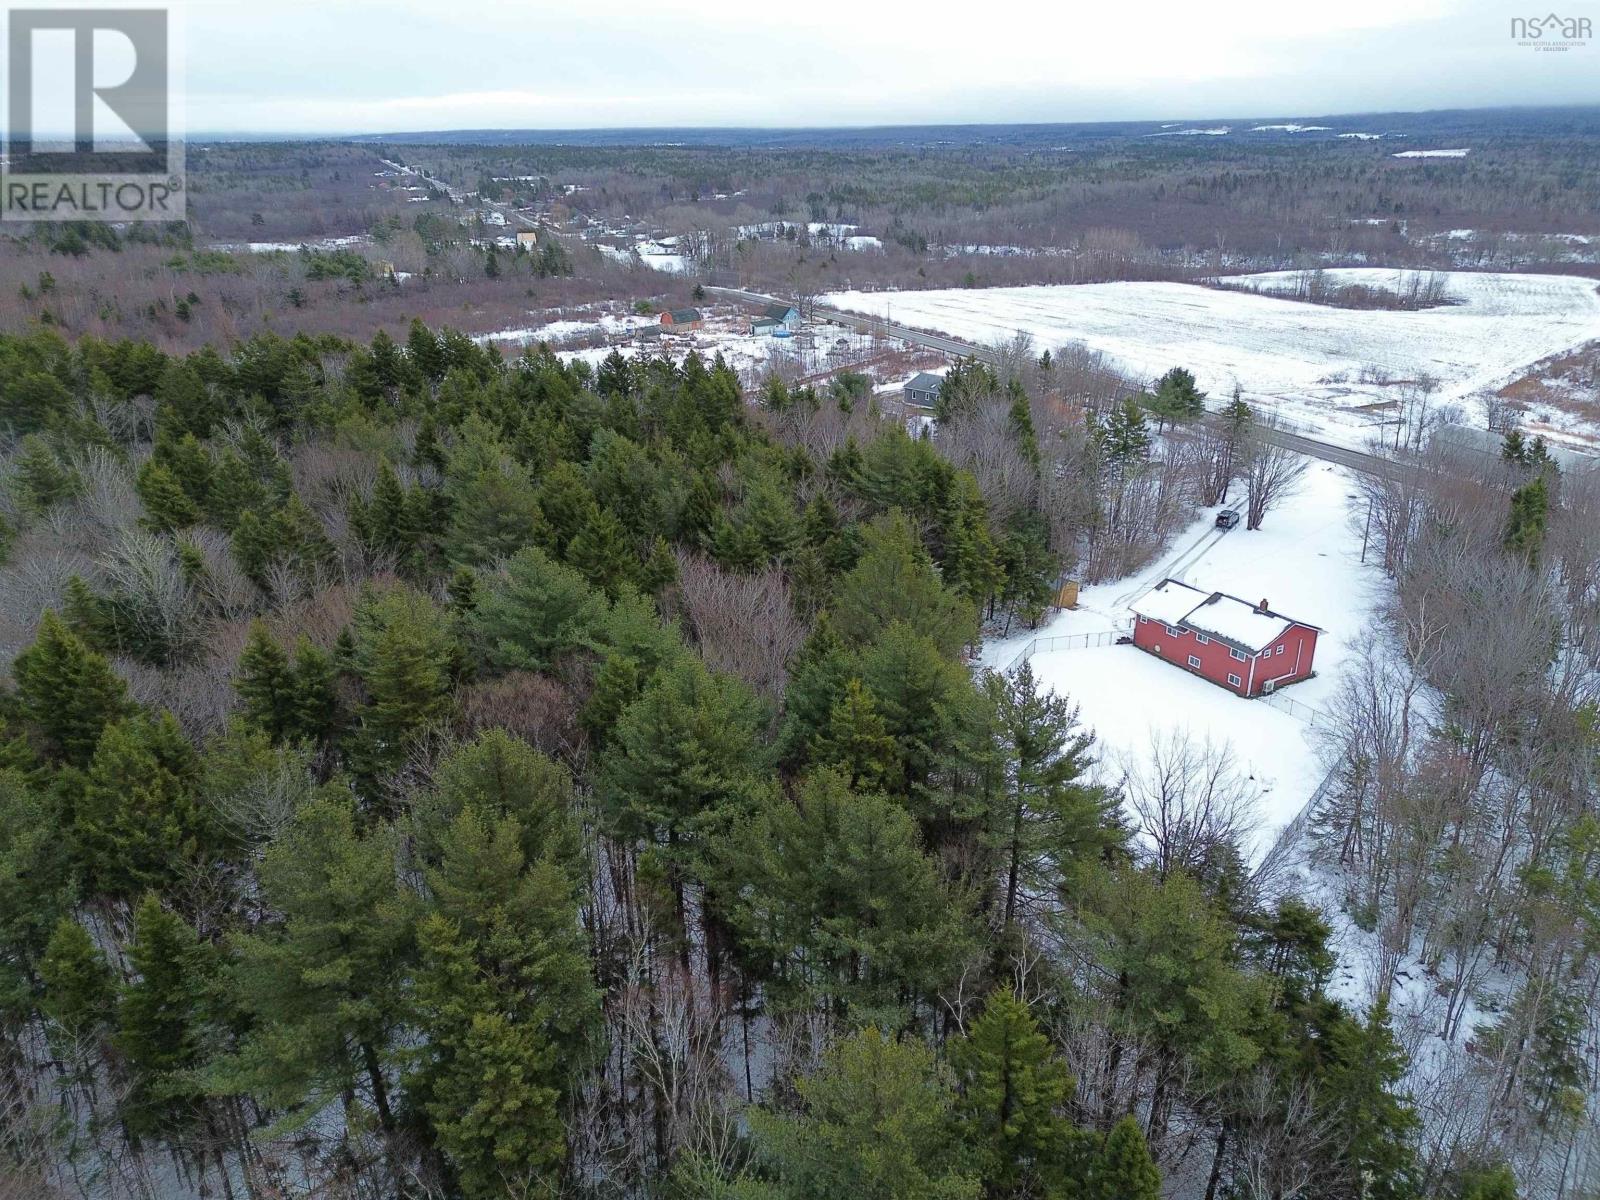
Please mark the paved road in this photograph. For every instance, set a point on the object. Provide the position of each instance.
(1356, 460)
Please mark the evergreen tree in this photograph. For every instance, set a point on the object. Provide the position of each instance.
(895, 581)
(1047, 820)
(1374, 1121)
(836, 905)
(138, 818)
(1123, 436)
(876, 1123)
(1122, 1168)
(67, 691)
(498, 776)
(1014, 1093)
(507, 1005)
(535, 611)
(162, 1022)
(494, 511)
(601, 554)
(41, 482)
(322, 982)
(265, 683)
(680, 762)
(856, 740)
(167, 506)
(1530, 515)
(34, 889)
(406, 656)
(79, 990)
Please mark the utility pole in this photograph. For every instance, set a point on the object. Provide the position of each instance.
(1366, 531)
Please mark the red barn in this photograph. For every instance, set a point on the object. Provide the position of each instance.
(1246, 648)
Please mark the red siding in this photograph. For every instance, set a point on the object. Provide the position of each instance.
(1217, 662)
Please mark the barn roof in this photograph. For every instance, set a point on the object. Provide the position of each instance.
(779, 312)
(1168, 602)
(1237, 622)
(926, 381)
(683, 316)
(1227, 618)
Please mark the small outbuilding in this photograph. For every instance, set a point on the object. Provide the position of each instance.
(1247, 648)
(682, 318)
(786, 316)
(923, 389)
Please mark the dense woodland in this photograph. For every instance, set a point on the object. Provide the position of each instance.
(428, 775)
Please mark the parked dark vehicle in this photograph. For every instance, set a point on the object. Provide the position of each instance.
(1227, 518)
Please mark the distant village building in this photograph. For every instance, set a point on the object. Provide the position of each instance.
(1246, 648)
(528, 238)
(682, 318)
(923, 390)
(775, 317)
(494, 218)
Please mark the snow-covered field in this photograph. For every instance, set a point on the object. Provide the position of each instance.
(1328, 369)
(1306, 561)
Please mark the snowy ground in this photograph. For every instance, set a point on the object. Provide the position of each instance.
(590, 335)
(1336, 371)
(1306, 561)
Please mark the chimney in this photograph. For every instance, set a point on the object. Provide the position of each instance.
(1263, 608)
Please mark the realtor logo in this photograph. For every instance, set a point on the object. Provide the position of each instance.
(90, 107)
(1551, 32)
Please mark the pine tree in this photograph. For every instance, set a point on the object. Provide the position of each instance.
(167, 506)
(139, 819)
(79, 991)
(497, 776)
(41, 482)
(894, 581)
(1530, 515)
(535, 611)
(265, 683)
(1122, 1169)
(601, 553)
(494, 511)
(67, 691)
(161, 1022)
(857, 741)
(1358, 1089)
(1123, 435)
(836, 905)
(405, 654)
(1047, 820)
(876, 1122)
(508, 1006)
(1020, 421)
(1014, 1093)
(35, 870)
(322, 982)
(680, 763)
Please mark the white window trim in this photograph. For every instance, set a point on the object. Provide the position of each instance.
(1237, 654)
(1235, 680)
(1202, 639)
(1174, 631)
(1194, 661)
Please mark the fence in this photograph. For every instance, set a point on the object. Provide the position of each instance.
(1108, 637)
(1296, 709)
(1065, 641)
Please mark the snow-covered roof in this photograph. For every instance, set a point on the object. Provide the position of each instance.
(1169, 602)
(1245, 625)
(1216, 614)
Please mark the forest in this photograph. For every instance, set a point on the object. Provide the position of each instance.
(424, 774)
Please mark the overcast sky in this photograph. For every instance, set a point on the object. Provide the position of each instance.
(390, 65)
